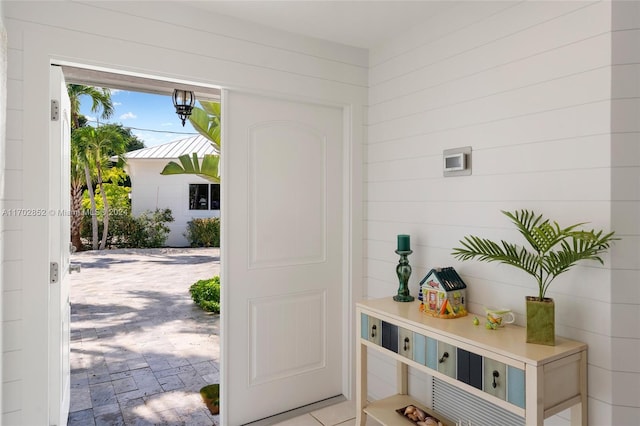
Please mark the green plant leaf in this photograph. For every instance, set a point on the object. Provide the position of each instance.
(207, 121)
(172, 168)
(191, 165)
(554, 250)
(209, 168)
(211, 107)
(187, 164)
(195, 163)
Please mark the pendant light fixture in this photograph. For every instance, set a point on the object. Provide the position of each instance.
(183, 101)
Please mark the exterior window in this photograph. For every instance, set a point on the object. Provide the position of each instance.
(203, 196)
(215, 196)
(198, 196)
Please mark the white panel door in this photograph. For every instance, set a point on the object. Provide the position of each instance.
(59, 243)
(282, 255)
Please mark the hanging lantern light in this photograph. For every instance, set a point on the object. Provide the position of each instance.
(183, 101)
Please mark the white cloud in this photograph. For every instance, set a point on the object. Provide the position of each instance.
(166, 124)
(154, 139)
(117, 103)
(127, 116)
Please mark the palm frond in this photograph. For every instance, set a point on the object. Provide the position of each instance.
(554, 249)
(191, 165)
(485, 250)
(526, 221)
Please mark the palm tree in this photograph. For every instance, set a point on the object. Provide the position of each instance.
(84, 168)
(98, 145)
(100, 98)
(77, 182)
(206, 121)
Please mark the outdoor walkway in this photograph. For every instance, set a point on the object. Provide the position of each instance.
(140, 348)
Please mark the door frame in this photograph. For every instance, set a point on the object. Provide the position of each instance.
(60, 315)
(36, 311)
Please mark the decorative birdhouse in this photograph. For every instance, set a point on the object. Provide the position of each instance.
(443, 293)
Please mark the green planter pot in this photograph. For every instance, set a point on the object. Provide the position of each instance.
(541, 322)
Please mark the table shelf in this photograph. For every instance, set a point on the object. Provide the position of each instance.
(532, 381)
(384, 411)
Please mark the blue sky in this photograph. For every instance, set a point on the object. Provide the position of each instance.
(152, 118)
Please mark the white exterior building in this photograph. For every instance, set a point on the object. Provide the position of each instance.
(188, 196)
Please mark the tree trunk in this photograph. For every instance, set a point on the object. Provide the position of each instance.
(105, 213)
(94, 213)
(76, 215)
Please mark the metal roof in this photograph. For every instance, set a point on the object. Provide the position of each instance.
(194, 144)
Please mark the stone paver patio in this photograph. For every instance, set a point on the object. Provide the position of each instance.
(140, 348)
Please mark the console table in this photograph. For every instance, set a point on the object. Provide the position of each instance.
(530, 380)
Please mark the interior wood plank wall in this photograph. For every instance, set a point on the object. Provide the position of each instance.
(546, 94)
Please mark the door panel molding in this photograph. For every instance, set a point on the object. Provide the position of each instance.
(283, 231)
(305, 348)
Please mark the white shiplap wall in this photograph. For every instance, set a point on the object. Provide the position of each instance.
(3, 116)
(163, 39)
(625, 213)
(528, 85)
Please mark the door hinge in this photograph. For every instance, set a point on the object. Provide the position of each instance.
(53, 272)
(55, 110)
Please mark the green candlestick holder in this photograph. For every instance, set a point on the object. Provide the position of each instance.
(403, 270)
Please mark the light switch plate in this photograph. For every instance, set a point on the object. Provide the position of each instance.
(456, 162)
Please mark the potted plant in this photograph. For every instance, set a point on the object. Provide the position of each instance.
(211, 397)
(552, 251)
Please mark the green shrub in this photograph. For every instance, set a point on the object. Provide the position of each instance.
(206, 294)
(120, 227)
(149, 230)
(203, 232)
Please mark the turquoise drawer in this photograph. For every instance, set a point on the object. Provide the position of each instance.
(364, 326)
(515, 386)
(432, 353)
(419, 349)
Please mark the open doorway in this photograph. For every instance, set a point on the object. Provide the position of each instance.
(286, 314)
(141, 350)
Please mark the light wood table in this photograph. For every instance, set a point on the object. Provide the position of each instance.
(530, 380)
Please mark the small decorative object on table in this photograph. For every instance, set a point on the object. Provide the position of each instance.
(498, 318)
(443, 293)
(403, 270)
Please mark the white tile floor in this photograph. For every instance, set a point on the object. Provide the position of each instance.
(342, 414)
